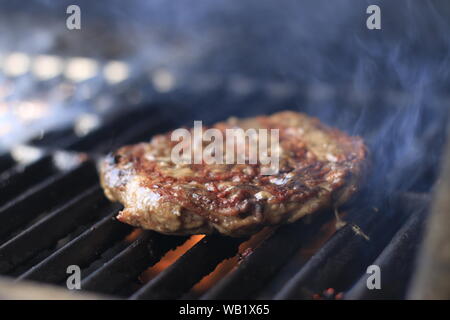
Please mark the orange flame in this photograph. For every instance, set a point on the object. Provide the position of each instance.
(133, 235)
(169, 258)
(226, 266)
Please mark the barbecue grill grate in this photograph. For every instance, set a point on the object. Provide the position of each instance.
(53, 217)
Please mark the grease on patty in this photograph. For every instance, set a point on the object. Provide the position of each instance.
(319, 167)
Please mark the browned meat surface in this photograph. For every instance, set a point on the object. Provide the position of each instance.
(320, 167)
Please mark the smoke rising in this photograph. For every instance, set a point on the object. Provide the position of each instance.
(389, 85)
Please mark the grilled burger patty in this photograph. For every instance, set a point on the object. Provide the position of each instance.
(320, 167)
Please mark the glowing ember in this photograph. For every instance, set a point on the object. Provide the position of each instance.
(328, 294)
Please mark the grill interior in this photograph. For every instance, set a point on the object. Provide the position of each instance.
(54, 214)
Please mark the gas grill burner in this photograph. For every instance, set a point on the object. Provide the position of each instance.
(54, 215)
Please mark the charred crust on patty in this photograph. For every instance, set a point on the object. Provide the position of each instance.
(320, 168)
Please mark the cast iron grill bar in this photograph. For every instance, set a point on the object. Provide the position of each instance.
(190, 268)
(19, 177)
(55, 138)
(114, 129)
(131, 262)
(261, 265)
(6, 162)
(141, 131)
(38, 199)
(80, 251)
(141, 125)
(67, 139)
(395, 262)
(340, 238)
(134, 126)
(294, 288)
(50, 228)
(347, 253)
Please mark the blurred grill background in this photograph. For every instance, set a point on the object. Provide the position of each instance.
(133, 52)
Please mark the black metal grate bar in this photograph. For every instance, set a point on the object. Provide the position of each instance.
(53, 139)
(131, 262)
(113, 130)
(347, 253)
(395, 262)
(80, 251)
(261, 265)
(42, 197)
(294, 290)
(6, 162)
(54, 226)
(17, 179)
(142, 131)
(190, 268)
